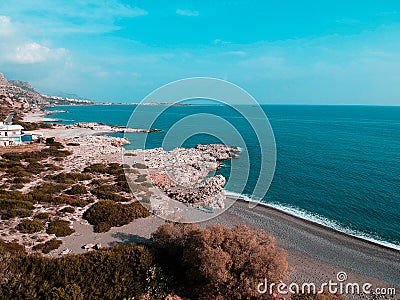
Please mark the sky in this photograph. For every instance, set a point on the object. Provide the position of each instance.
(281, 52)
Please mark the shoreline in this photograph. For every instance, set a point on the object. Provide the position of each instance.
(38, 116)
(322, 226)
(371, 240)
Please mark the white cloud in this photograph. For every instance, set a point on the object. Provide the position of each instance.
(187, 12)
(5, 26)
(72, 17)
(15, 48)
(32, 52)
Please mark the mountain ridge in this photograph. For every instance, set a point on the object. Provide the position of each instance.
(20, 95)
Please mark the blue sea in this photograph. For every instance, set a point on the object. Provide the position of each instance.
(338, 166)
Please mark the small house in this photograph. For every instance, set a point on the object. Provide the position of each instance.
(10, 134)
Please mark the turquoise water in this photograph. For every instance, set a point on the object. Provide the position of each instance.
(336, 165)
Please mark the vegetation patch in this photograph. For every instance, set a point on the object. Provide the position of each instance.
(139, 166)
(120, 272)
(68, 177)
(110, 169)
(29, 126)
(30, 226)
(141, 178)
(48, 246)
(42, 216)
(77, 190)
(67, 209)
(114, 214)
(60, 228)
(14, 204)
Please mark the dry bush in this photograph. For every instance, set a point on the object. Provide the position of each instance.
(30, 226)
(219, 262)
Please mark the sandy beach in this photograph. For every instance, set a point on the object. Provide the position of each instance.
(38, 116)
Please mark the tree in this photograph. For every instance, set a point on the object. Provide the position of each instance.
(219, 262)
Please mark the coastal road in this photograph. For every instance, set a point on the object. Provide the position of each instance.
(317, 242)
(9, 118)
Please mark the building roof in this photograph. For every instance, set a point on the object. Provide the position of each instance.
(10, 127)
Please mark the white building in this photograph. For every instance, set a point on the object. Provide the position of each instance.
(10, 134)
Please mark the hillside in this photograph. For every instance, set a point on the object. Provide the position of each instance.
(20, 95)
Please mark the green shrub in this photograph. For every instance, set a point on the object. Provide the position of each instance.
(141, 178)
(50, 189)
(147, 184)
(21, 180)
(114, 214)
(139, 166)
(68, 177)
(67, 209)
(30, 226)
(112, 196)
(96, 168)
(53, 143)
(97, 181)
(12, 213)
(42, 216)
(77, 190)
(52, 167)
(102, 227)
(117, 272)
(16, 186)
(71, 200)
(111, 169)
(48, 246)
(8, 204)
(60, 228)
(35, 168)
(13, 248)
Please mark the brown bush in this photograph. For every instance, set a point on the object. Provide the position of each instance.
(30, 226)
(220, 262)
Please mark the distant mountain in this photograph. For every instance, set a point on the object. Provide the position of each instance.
(23, 85)
(67, 95)
(16, 94)
(20, 95)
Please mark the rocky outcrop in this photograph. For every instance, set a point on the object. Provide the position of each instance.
(208, 193)
(112, 129)
(219, 151)
(3, 80)
(182, 174)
